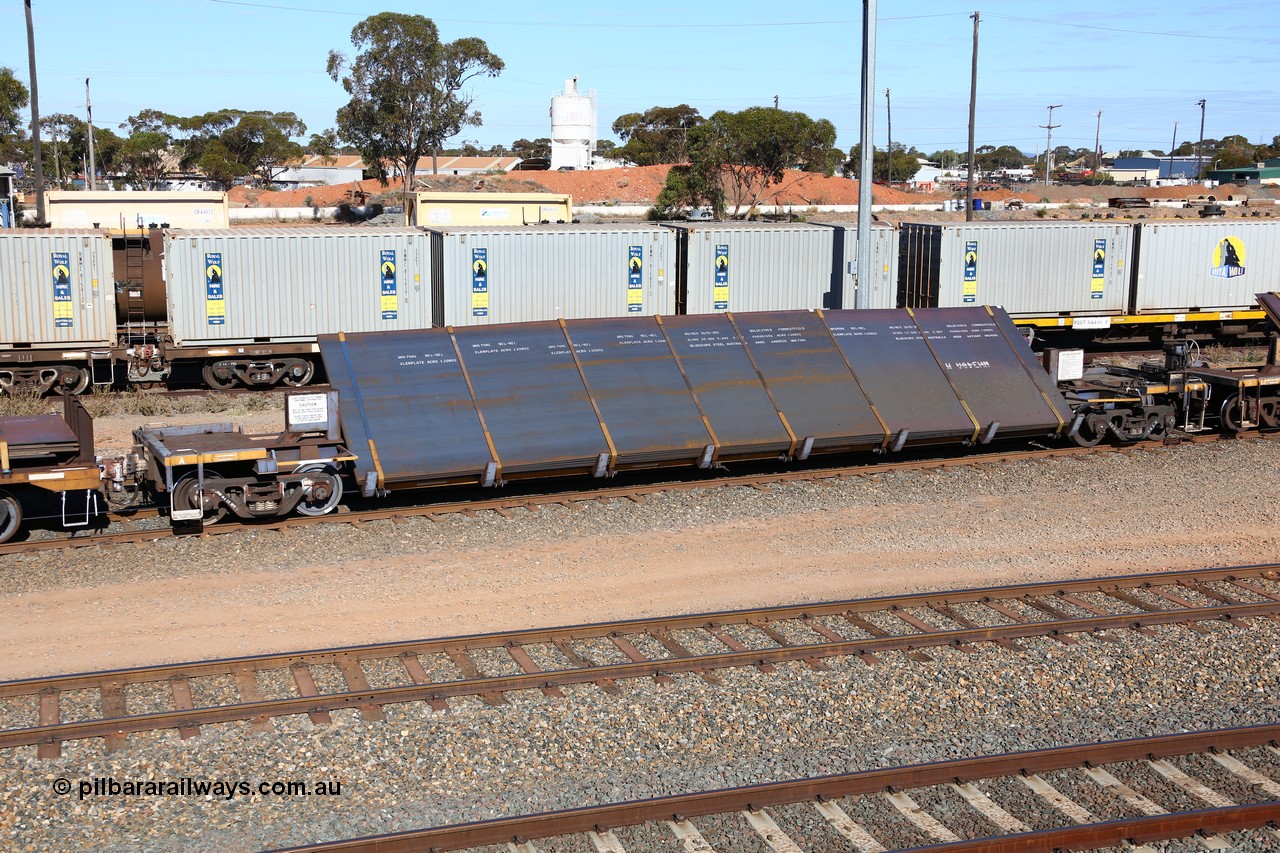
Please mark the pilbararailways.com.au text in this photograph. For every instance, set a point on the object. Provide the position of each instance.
(225, 789)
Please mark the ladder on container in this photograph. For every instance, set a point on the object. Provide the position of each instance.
(131, 289)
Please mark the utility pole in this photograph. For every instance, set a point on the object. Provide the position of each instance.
(1200, 144)
(1097, 150)
(88, 108)
(862, 294)
(57, 159)
(775, 102)
(1048, 143)
(888, 107)
(1172, 146)
(35, 117)
(973, 107)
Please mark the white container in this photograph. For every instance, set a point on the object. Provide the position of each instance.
(58, 289)
(758, 266)
(1214, 265)
(1030, 269)
(549, 272)
(287, 285)
(883, 288)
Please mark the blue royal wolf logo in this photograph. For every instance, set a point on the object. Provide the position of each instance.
(1228, 258)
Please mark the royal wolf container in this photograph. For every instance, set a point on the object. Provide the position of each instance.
(1214, 265)
(883, 289)
(547, 272)
(756, 266)
(1030, 269)
(283, 285)
(57, 289)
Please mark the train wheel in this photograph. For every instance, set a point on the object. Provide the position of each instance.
(1090, 433)
(299, 374)
(71, 380)
(326, 490)
(10, 516)
(216, 381)
(187, 495)
(1236, 410)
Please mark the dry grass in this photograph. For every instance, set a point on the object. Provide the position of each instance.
(146, 404)
(1223, 356)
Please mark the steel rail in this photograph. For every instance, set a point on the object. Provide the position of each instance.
(594, 630)
(755, 797)
(475, 684)
(633, 492)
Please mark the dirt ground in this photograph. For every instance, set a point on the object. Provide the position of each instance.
(332, 585)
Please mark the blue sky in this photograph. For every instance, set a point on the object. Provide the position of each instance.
(1143, 64)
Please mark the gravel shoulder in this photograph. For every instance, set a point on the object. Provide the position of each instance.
(261, 591)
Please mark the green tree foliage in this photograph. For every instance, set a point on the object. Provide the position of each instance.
(947, 158)
(537, 148)
(905, 163)
(14, 98)
(751, 150)
(325, 144)
(406, 90)
(688, 186)
(142, 158)
(225, 144)
(989, 158)
(658, 135)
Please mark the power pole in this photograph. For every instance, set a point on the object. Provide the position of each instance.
(888, 107)
(1172, 146)
(1097, 150)
(973, 107)
(1200, 144)
(35, 117)
(57, 159)
(1048, 143)
(862, 294)
(88, 108)
(775, 102)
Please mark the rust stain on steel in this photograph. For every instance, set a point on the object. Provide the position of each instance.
(755, 797)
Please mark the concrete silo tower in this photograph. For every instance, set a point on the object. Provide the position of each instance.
(573, 127)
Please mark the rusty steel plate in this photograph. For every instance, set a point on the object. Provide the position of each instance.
(1270, 304)
(900, 375)
(981, 363)
(726, 386)
(809, 381)
(532, 397)
(405, 391)
(48, 432)
(636, 383)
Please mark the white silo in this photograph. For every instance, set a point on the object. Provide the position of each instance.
(573, 127)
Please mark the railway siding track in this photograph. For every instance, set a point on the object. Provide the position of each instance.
(1078, 826)
(636, 493)
(492, 665)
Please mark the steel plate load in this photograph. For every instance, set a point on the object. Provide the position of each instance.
(573, 397)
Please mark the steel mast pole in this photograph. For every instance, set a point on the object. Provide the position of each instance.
(973, 111)
(862, 286)
(35, 118)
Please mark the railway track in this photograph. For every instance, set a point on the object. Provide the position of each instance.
(1019, 799)
(636, 493)
(317, 682)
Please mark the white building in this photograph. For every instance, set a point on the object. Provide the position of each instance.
(573, 128)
